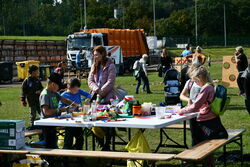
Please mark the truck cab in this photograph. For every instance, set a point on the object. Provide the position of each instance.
(86, 42)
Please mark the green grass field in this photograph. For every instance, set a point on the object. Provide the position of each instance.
(34, 37)
(236, 116)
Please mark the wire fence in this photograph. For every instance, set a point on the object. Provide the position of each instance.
(208, 41)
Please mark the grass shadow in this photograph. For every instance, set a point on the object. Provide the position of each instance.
(236, 107)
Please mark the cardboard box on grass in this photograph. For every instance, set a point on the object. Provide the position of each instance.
(12, 134)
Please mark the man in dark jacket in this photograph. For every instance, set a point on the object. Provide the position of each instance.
(31, 89)
(246, 76)
(242, 63)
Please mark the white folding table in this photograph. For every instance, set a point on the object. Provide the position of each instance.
(149, 122)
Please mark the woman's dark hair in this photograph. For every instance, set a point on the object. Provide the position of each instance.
(73, 82)
(32, 69)
(100, 49)
(61, 64)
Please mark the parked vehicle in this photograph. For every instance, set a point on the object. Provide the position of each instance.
(124, 45)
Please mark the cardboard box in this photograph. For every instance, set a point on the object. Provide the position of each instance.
(12, 135)
(12, 129)
(12, 144)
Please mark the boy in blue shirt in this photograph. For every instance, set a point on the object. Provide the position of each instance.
(186, 52)
(74, 93)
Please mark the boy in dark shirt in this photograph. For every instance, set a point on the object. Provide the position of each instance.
(31, 89)
(49, 101)
(242, 64)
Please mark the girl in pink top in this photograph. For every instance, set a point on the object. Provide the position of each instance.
(209, 125)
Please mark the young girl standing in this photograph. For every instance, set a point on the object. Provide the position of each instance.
(209, 124)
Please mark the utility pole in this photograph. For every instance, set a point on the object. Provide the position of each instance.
(80, 5)
(225, 26)
(154, 17)
(24, 16)
(85, 15)
(3, 8)
(196, 23)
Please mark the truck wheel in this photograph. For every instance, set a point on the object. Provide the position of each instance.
(121, 70)
(130, 64)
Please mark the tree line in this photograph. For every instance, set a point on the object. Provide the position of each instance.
(173, 17)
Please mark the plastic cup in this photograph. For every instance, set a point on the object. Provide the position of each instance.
(160, 112)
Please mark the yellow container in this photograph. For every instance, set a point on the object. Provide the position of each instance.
(23, 68)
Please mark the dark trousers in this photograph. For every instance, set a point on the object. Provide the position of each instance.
(70, 134)
(143, 78)
(34, 109)
(247, 91)
(193, 126)
(207, 130)
(49, 134)
(240, 82)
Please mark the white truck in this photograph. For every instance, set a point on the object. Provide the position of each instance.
(86, 42)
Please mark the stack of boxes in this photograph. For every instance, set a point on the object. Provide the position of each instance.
(12, 134)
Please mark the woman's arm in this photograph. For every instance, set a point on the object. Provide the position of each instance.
(91, 81)
(201, 99)
(109, 85)
(183, 96)
(144, 68)
(47, 111)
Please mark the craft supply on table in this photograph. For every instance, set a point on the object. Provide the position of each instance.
(160, 112)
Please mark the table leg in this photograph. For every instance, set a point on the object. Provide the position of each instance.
(185, 133)
(241, 150)
(160, 144)
(225, 154)
(129, 134)
(93, 141)
(113, 142)
(86, 131)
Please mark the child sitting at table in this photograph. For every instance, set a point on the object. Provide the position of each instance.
(75, 94)
(49, 100)
(209, 125)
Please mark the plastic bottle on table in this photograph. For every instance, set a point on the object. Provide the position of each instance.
(93, 110)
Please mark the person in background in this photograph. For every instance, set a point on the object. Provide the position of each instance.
(141, 71)
(209, 60)
(78, 60)
(49, 101)
(187, 51)
(197, 57)
(75, 94)
(102, 75)
(30, 92)
(242, 64)
(209, 125)
(60, 69)
(246, 76)
(166, 63)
